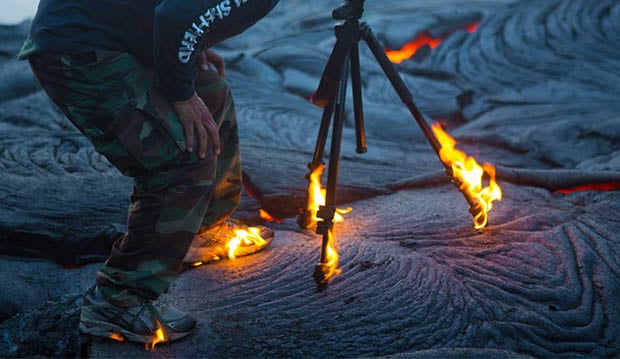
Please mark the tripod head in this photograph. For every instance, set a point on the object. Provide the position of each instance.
(350, 10)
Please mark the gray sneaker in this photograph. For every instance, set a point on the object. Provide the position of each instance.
(215, 243)
(141, 324)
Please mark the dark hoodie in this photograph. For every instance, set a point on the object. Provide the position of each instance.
(164, 34)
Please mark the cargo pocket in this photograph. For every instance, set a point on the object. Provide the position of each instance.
(154, 104)
(137, 142)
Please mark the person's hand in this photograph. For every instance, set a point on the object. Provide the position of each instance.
(196, 119)
(207, 57)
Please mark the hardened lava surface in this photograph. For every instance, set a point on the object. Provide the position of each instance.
(532, 90)
(541, 280)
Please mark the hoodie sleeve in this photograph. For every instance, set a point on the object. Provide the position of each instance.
(182, 28)
(176, 77)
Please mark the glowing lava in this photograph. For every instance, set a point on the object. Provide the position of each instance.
(117, 336)
(423, 38)
(469, 174)
(242, 237)
(608, 186)
(263, 214)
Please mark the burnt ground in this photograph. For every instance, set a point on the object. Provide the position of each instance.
(532, 90)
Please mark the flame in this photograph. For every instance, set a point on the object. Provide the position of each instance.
(469, 175)
(423, 38)
(316, 197)
(249, 237)
(116, 336)
(330, 268)
(160, 337)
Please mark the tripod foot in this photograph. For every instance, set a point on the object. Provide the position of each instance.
(320, 276)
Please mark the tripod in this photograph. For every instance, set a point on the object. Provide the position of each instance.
(331, 95)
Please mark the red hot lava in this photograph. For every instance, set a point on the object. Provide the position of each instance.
(608, 186)
(423, 38)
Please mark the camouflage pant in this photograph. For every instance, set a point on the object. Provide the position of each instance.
(114, 102)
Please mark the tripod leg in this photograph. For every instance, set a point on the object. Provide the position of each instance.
(347, 35)
(319, 150)
(398, 84)
(305, 219)
(407, 99)
(327, 266)
(358, 105)
(334, 152)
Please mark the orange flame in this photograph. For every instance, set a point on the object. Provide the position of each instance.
(116, 336)
(160, 337)
(469, 175)
(249, 237)
(423, 38)
(330, 267)
(316, 197)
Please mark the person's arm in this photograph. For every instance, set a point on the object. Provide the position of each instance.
(171, 20)
(177, 71)
(182, 29)
(195, 108)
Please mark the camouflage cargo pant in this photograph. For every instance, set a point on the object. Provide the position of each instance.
(114, 102)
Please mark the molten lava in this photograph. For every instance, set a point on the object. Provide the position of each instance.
(263, 214)
(608, 186)
(316, 197)
(117, 336)
(243, 237)
(423, 38)
(469, 174)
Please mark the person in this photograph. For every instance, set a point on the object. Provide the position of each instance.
(134, 77)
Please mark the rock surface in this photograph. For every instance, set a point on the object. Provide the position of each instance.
(532, 90)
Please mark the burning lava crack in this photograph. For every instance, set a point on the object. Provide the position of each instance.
(562, 181)
(423, 39)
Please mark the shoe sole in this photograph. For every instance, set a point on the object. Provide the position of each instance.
(241, 252)
(108, 330)
(246, 251)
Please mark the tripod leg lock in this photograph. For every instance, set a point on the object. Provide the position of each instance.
(326, 213)
(312, 167)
